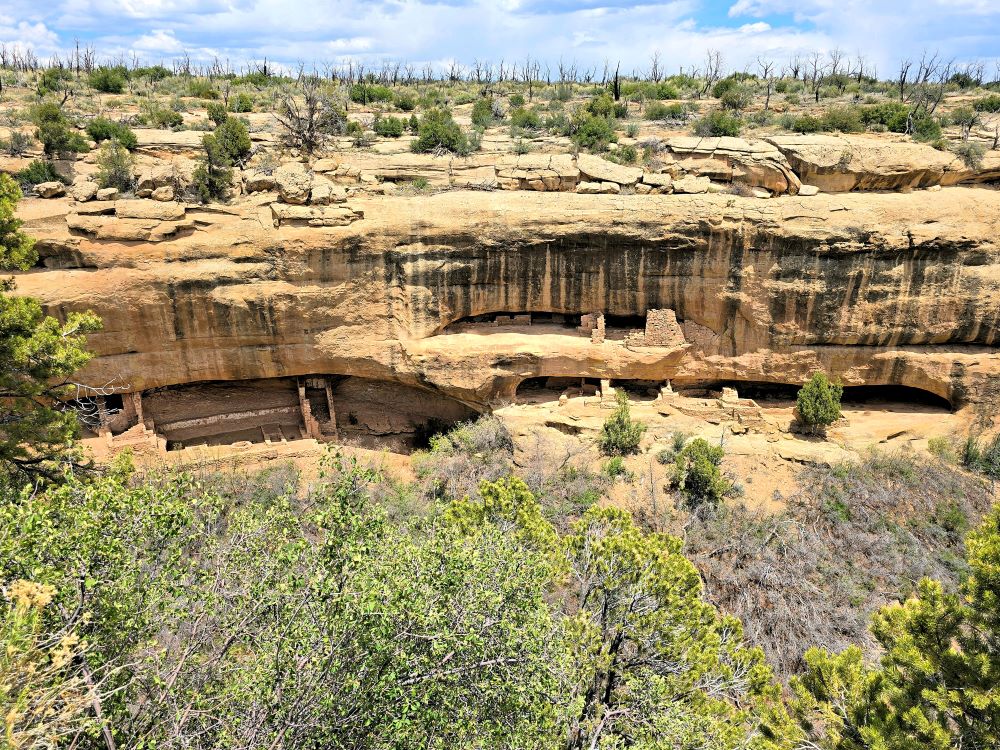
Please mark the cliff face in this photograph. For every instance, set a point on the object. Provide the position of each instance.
(875, 289)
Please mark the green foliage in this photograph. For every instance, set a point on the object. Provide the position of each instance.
(843, 119)
(241, 102)
(108, 80)
(202, 88)
(620, 436)
(17, 145)
(818, 401)
(516, 100)
(437, 130)
(736, 98)
(405, 101)
(524, 118)
(660, 111)
(593, 132)
(893, 116)
(718, 123)
(627, 154)
(37, 355)
(55, 132)
(234, 139)
(153, 73)
(39, 171)
(482, 113)
(53, 80)
(935, 685)
(213, 175)
(367, 93)
(925, 128)
(971, 154)
(157, 116)
(102, 129)
(217, 112)
(388, 127)
(115, 167)
(805, 124)
(989, 103)
(982, 455)
(697, 474)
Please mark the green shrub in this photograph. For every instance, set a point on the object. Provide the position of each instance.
(892, 115)
(109, 80)
(58, 138)
(202, 88)
(516, 100)
(844, 119)
(405, 102)
(157, 116)
(806, 124)
(525, 118)
(388, 127)
(482, 113)
(942, 448)
(925, 128)
(627, 154)
(620, 436)
(615, 468)
(736, 98)
(39, 171)
(818, 401)
(115, 166)
(213, 175)
(718, 123)
(602, 106)
(594, 133)
(153, 73)
(217, 112)
(17, 144)
(234, 139)
(52, 80)
(437, 129)
(971, 154)
(989, 103)
(366, 93)
(102, 129)
(697, 474)
(982, 455)
(242, 102)
(413, 124)
(47, 112)
(660, 111)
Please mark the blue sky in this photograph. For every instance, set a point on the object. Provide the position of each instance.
(586, 31)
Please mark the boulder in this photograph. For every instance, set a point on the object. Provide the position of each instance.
(314, 216)
(808, 190)
(757, 164)
(54, 189)
(596, 169)
(324, 192)
(145, 209)
(294, 183)
(594, 188)
(257, 181)
(692, 184)
(325, 165)
(84, 191)
(107, 194)
(163, 194)
(658, 179)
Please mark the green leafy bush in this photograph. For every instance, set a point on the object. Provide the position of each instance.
(213, 175)
(661, 111)
(108, 80)
(53, 80)
(217, 112)
(516, 100)
(482, 113)
(58, 138)
(818, 401)
(202, 88)
(718, 123)
(736, 98)
(844, 119)
(437, 129)
(525, 118)
(620, 436)
(982, 455)
(157, 116)
(990, 103)
(115, 166)
(891, 115)
(366, 93)
(39, 171)
(594, 133)
(17, 145)
(242, 102)
(697, 474)
(925, 128)
(971, 154)
(102, 129)
(805, 124)
(234, 139)
(405, 102)
(388, 127)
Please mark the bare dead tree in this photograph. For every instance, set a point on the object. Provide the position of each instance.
(713, 70)
(766, 68)
(815, 68)
(655, 74)
(308, 123)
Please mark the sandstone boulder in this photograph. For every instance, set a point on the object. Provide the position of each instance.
(144, 209)
(84, 191)
(107, 194)
(658, 179)
(595, 188)
(754, 163)
(163, 194)
(257, 181)
(692, 184)
(314, 216)
(324, 193)
(54, 189)
(808, 190)
(542, 172)
(597, 169)
(294, 183)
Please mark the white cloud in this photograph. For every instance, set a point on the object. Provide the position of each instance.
(160, 41)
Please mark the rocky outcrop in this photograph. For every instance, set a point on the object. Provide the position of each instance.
(752, 163)
(837, 164)
(883, 289)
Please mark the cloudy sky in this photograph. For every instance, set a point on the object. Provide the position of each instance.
(585, 31)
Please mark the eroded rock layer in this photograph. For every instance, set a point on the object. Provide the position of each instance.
(468, 294)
